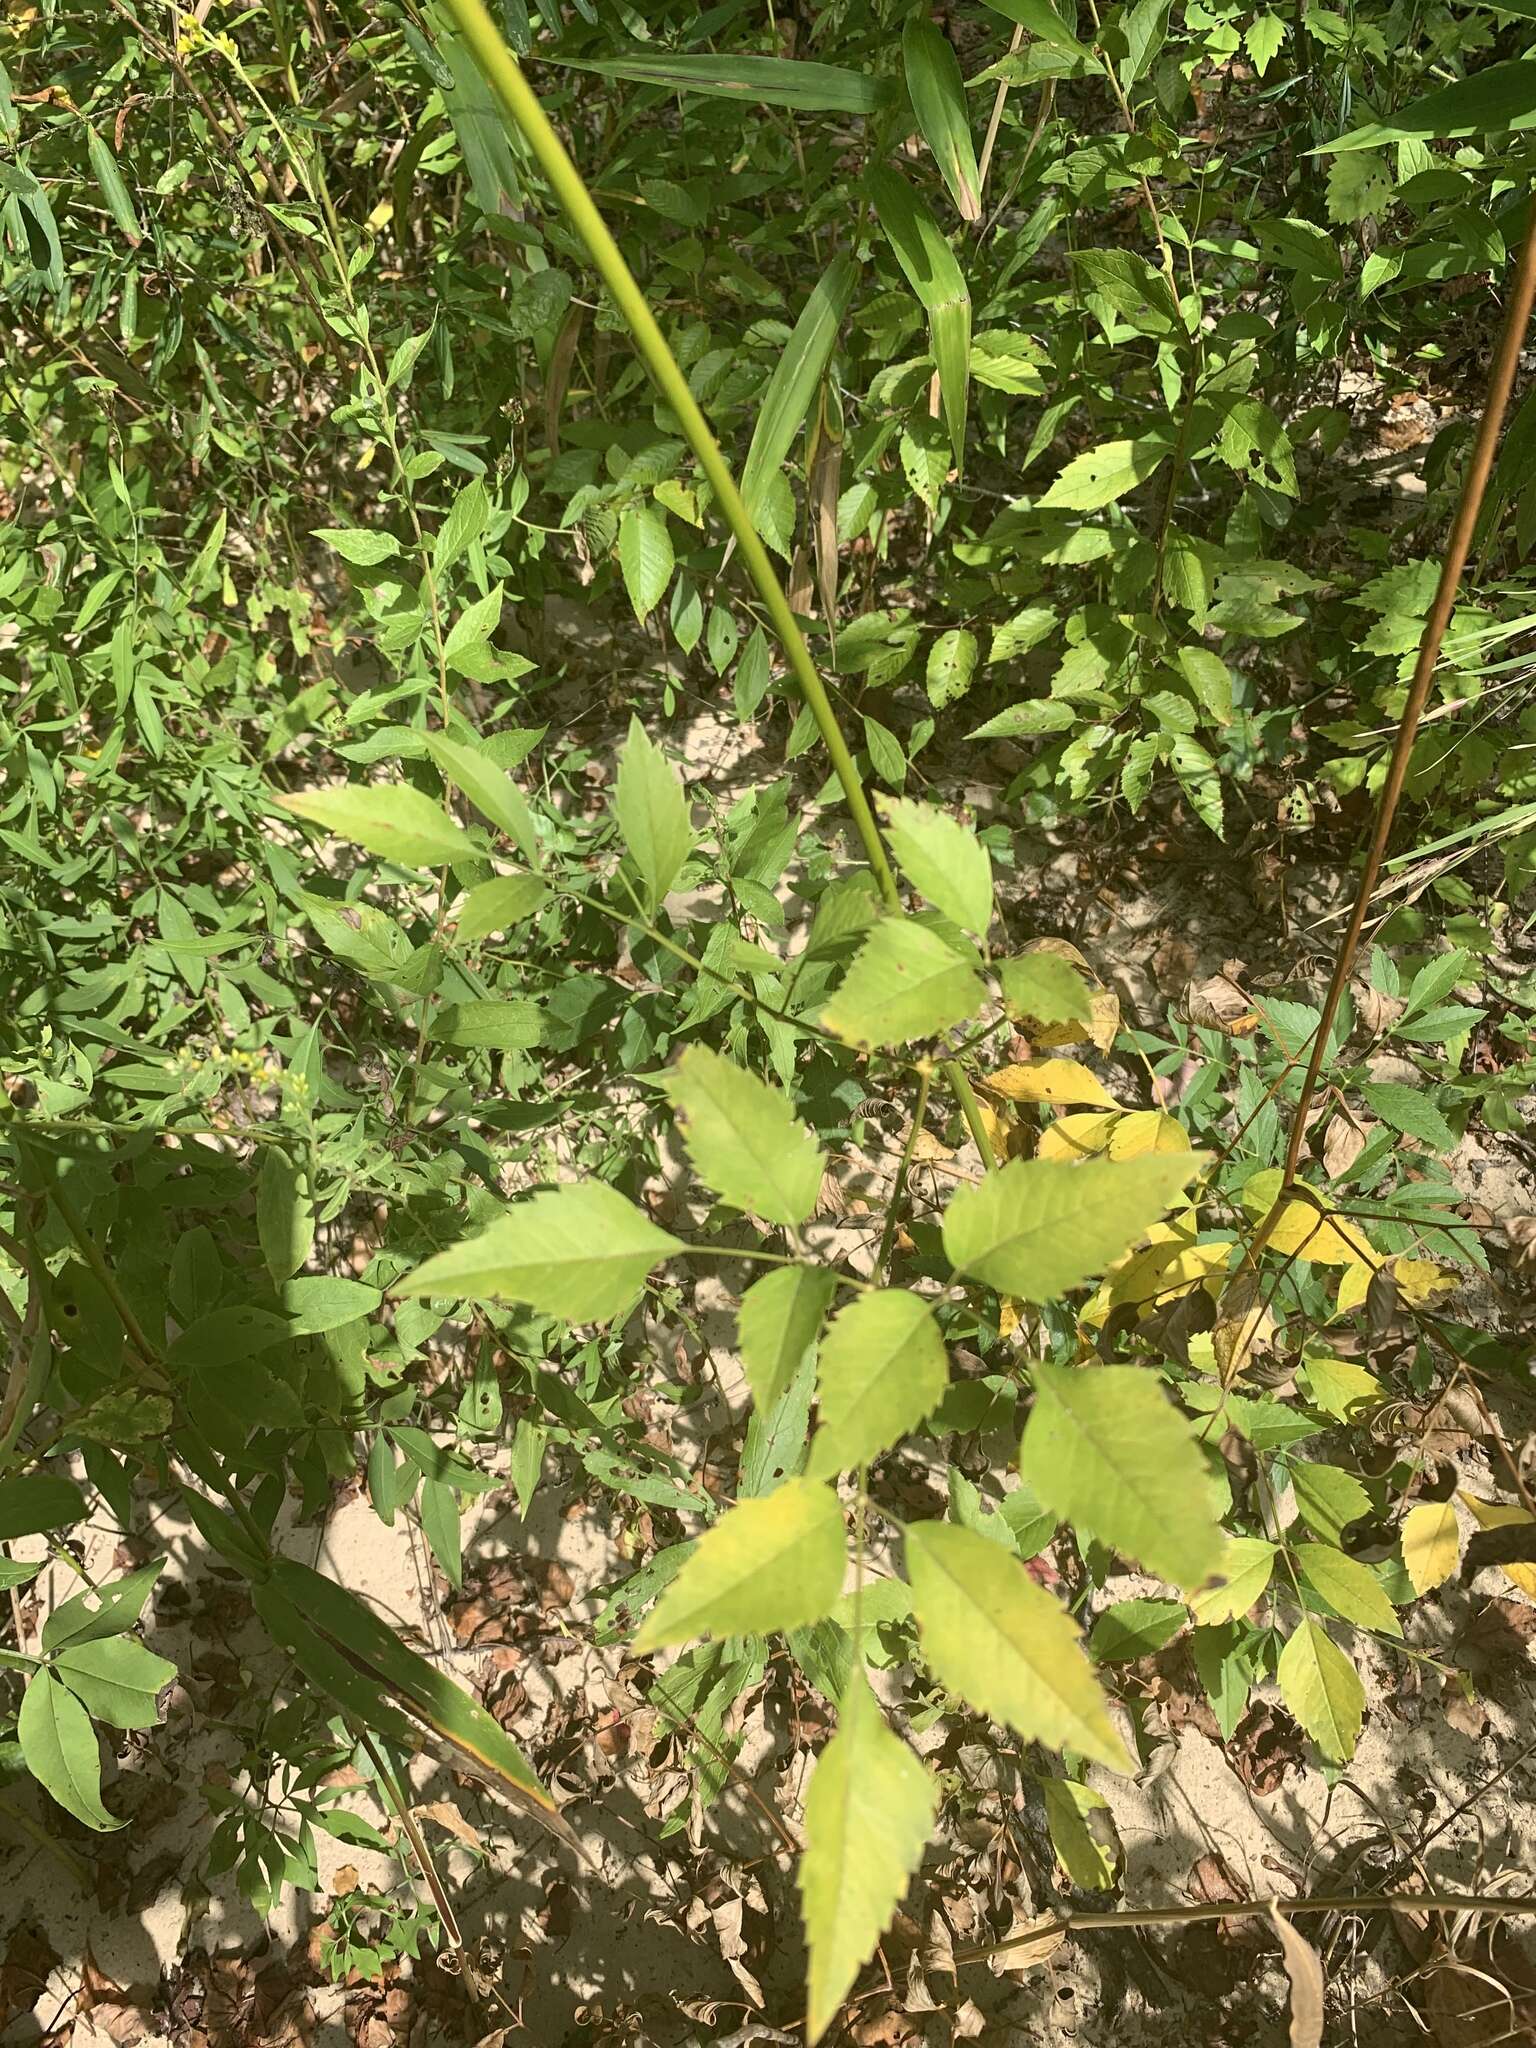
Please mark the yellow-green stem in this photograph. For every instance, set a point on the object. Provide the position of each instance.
(521, 104)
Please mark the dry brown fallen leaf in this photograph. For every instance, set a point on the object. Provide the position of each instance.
(1305, 1971)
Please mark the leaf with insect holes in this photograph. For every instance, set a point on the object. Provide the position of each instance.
(393, 819)
(651, 807)
(1105, 1449)
(645, 558)
(1100, 476)
(1322, 1689)
(1242, 1578)
(1037, 1227)
(942, 859)
(1431, 1544)
(907, 981)
(579, 1251)
(937, 92)
(102, 1610)
(935, 276)
(999, 1641)
(744, 1139)
(951, 666)
(116, 1679)
(868, 1816)
(882, 1369)
(59, 1748)
(768, 1564)
(779, 1320)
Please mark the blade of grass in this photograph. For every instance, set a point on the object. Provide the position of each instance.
(937, 92)
(793, 384)
(934, 274)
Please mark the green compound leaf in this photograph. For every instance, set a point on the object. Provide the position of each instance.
(1045, 988)
(744, 1138)
(116, 1679)
(1246, 1568)
(1100, 476)
(1106, 1450)
(653, 816)
(1323, 1690)
(906, 982)
(58, 1745)
(391, 819)
(882, 1369)
(32, 1502)
(942, 859)
(1350, 1588)
(645, 558)
(998, 1640)
(868, 1816)
(778, 1323)
(492, 792)
(1039, 1226)
(579, 1251)
(769, 1564)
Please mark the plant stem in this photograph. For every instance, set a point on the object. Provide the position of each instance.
(505, 77)
(1501, 377)
(1490, 1906)
(521, 104)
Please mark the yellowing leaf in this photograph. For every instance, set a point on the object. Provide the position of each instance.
(1079, 1851)
(1490, 1514)
(1105, 1449)
(998, 1640)
(1431, 1544)
(1339, 1387)
(771, 1563)
(744, 1138)
(1056, 1081)
(1103, 1018)
(1242, 1579)
(1420, 1282)
(1147, 1130)
(1323, 1690)
(882, 1368)
(1305, 1228)
(868, 1815)
(1169, 1266)
(1037, 1227)
(1078, 1135)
